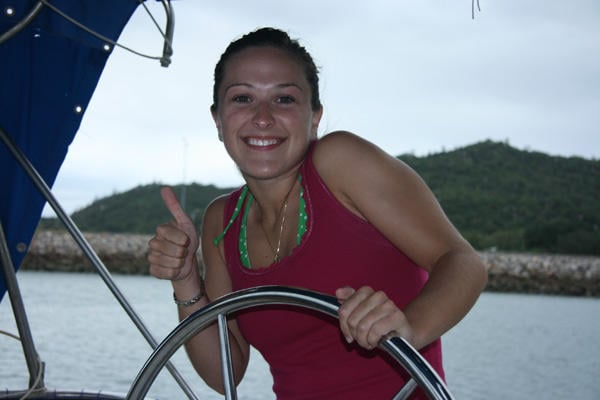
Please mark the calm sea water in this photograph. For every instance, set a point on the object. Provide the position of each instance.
(509, 347)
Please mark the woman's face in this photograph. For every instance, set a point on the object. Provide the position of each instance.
(264, 114)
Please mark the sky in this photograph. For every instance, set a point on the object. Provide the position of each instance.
(416, 77)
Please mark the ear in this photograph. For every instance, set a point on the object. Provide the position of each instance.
(316, 119)
(215, 117)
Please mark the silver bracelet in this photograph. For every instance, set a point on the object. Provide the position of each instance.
(187, 303)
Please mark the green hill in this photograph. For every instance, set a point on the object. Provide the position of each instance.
(139, 210)
(509, 199)
(497, 196)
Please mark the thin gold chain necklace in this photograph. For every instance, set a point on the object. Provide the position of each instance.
(282, 214)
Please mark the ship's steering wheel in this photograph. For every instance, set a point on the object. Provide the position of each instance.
(421, 372)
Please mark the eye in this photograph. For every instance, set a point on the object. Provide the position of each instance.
(285, 100)
(242, 99)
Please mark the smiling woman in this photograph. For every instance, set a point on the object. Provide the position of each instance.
(336, 215)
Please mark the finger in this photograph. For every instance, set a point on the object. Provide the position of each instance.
(355, 300)
(346, 297)
(382, 318)
(359, 312)
(377, 325)
(344, 293)
(174, 206)
(161, 272)
(175, 248)
(169, 234)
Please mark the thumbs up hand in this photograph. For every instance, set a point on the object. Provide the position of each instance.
(172, 251)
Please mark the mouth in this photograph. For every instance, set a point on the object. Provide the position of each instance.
(262, 142)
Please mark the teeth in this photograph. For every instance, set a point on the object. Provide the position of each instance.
(261, 141)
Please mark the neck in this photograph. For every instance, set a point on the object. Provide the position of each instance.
(270, 198)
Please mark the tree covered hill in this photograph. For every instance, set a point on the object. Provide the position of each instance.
(140, 209)
(497, 196)
(509, 199)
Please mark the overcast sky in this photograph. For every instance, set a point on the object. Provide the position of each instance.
(411, 76)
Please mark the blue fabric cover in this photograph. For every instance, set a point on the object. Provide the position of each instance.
(46, 71)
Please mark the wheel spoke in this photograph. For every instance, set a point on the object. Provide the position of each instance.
(406, 390)
(226, 366)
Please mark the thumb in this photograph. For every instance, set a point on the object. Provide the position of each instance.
(174, 206)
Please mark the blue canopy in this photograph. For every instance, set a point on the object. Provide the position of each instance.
(48, 72)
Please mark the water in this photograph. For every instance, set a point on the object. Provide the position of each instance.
(509, 346)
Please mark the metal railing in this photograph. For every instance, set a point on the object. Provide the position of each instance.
(89, 252)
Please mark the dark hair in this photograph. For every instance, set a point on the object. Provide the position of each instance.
(270, 37)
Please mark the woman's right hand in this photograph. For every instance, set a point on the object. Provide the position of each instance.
(172, 251)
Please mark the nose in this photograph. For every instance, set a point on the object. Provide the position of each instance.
(263, 117)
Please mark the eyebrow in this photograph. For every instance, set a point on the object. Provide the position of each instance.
(279, 86)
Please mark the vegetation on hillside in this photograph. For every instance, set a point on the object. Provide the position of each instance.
(140, 209)
(508, 199)
(497, 196)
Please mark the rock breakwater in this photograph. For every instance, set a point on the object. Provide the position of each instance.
(507, 272)
(58, 251)
(543, 273)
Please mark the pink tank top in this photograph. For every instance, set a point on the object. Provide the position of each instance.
(307, 355)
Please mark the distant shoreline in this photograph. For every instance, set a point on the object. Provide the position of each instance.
(569, 275)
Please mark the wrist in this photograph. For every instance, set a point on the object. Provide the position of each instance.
(183, 299)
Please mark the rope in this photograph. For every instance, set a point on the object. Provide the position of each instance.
(104, 38)
(473, 8)
(33, 388)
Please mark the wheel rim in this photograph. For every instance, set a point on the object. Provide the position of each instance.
(421, 372)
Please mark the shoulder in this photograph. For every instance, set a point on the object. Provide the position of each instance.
(217, 205)
(212, 226)
(343, 158)
(212, 222)
(362, 176)
(389, 194)
(348, 150)
(340, 143)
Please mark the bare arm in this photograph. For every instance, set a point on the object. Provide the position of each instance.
(391, 196)
(172, 256)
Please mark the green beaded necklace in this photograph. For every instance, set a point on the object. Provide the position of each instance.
(243, 239)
